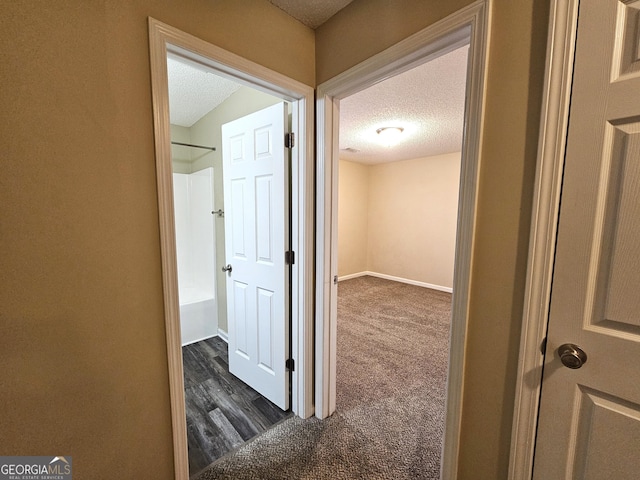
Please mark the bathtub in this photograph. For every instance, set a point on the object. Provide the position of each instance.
(195, 251)
(198, 313)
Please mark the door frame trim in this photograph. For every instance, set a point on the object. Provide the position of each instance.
(162, 40)
(468, 25)
(554, 121)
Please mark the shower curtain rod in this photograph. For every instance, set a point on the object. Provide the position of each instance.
(213, 149)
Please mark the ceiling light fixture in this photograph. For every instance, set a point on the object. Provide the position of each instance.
(389, 135)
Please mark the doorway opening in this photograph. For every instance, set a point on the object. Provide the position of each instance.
(467, 26)
(253, 82)
(397, 218)
(222, 411)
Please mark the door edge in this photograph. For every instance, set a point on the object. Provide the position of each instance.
(554, 121)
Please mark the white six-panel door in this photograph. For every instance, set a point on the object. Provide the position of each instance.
(589, 424)
(255, 171)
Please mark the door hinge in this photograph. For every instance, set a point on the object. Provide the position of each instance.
(289, 140)
(290, 257)
(290, 364)
(543, 346)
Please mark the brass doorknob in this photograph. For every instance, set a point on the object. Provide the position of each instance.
(571, 355)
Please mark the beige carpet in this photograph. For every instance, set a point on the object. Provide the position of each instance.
(392, 366)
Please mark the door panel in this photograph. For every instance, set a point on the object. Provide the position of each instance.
(589, 417)
(264, 220)
(240, 327)
(237, 244)
(606, 437)
(622, 267)
(255, 170)
(265, 330)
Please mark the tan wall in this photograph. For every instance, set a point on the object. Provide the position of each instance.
(82, 317)
(513, 100)
(366, 27)
(353, 217)
(399, 218)
(82, 343)
(413, 207)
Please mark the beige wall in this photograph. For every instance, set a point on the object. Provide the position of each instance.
(413, 207)
(82, 336)
(353, 217)
(399, 218)
(207, 131)
(509, 141)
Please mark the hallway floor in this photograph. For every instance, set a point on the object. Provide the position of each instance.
(222, 411)
(391, 386)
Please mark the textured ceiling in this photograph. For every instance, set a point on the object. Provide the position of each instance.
(427, 102)
(194, 92)
(312, 13)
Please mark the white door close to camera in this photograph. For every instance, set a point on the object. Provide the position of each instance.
(589, 423)
(255, 171)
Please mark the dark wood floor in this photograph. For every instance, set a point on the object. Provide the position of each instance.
(222, 412)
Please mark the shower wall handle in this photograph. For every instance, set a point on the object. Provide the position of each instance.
(228, 268)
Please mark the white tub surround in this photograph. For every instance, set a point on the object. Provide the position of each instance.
(195, 248)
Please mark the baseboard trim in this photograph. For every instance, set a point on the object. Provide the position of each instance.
(352, 275)
(397, 279)
(223, 335)
(199, 339)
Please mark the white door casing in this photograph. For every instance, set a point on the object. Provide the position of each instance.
(554, 119)
(256, 237)
(468, 25)
(589, 423)
(165, 39)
